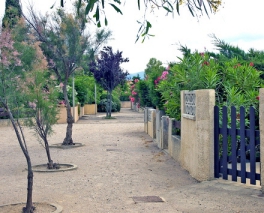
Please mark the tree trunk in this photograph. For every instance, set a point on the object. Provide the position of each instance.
(68, 139)
(50, 162)
(110, 105)
(29, 205)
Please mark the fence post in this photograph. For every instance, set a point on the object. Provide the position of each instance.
(159, 114)
(164, 132)
(145, 119)
(197, 133)
(152, 122)
(261, 128)
(170, 144)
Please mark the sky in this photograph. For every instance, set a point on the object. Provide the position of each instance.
(238, 22)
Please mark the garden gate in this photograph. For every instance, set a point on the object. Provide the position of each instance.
(236, 145)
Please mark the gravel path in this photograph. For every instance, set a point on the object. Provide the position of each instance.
(118, 162)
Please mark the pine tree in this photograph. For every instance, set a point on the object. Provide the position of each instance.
(13, 13)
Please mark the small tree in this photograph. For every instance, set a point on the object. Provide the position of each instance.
(108, 73)
(42, 100)
(9, 94)
(64, 42)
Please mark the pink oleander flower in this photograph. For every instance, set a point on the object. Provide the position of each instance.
(61, 85)
(251, 64)
(206, 63)
(164, 75)
(136, 80)
(132, 99)
(134, 93)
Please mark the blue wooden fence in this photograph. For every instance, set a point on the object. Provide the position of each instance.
(236, 142)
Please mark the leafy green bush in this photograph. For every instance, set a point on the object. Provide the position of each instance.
(85, 87)
(69, 92)
(153, 72)
(101, 107)
(124, 97)
(116, 104)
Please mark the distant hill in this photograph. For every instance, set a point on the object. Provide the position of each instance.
(141, 75)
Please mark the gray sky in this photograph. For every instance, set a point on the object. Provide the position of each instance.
(239, 22)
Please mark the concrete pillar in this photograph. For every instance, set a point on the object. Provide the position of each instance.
(146, 120)
(170, 145)
(152, 123)
(197, 134)
(164, 132)
(261, 128)
(159, 114)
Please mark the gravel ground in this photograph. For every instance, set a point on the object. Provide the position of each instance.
(118, 162)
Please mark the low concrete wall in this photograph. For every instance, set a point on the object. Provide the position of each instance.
(159, 114)
(81, 111)
(90, 109)
(195, 148)
(125, 104)
(63, 115)
(175, 147)
(174, 142)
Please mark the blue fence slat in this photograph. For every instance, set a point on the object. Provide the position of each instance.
(238, 148)
(234, 143)
(247, 133)
(252, 151)
(225, 143)
(242, 145)
(216, 142)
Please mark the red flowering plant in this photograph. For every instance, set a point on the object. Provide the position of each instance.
(241, 83)
(153, 74)
(134, 97)
(193, 71)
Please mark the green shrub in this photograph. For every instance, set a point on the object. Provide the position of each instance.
(116, 104)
